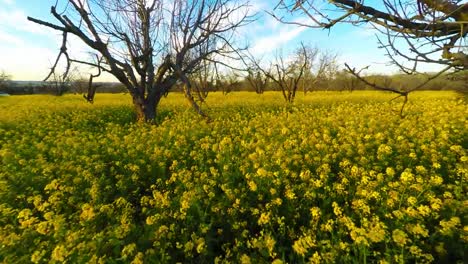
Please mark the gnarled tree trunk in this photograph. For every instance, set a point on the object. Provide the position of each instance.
(145, 109)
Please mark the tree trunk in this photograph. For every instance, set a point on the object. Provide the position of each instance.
(146, 108)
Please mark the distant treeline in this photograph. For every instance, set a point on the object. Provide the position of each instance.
(25, 87)
(340, 81)
(455, 81)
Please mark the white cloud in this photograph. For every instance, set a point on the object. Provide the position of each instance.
(273, 41)
(279, 34)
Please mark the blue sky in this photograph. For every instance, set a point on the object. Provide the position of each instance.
(27, 50)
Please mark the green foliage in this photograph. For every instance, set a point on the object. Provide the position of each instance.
(334, 178)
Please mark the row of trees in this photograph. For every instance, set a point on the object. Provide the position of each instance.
(332, 78)
(249, 80)
(151, 46)
(305, 69)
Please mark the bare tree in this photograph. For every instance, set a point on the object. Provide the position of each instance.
(287, 73)
(327, 67)
(227, 81)
(203, 80)
(59, 84)
(387, 85)
(415, 32)
(149, 45)
(79, 85)
(257, 80)
(431, 31)
(321, 67)
(309, 79)
(346, 81)
(4, 79)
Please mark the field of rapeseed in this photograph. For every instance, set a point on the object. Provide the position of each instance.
(334, 178)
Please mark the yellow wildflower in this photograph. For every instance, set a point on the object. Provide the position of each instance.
(399, 237)
(264, 218)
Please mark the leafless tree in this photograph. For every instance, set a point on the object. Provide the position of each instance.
(308, 80)
(59, 84)
(414, 32)
(256, 79)
(387, 85)
(227, 81)
(203, 80)
(287, 73)
(322, 67)
(4, 78)
(433, 31)
(150, 45)
(344, 80)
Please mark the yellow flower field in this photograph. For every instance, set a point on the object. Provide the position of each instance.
(334, 178)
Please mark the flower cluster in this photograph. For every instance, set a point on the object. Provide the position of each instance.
(337, 177)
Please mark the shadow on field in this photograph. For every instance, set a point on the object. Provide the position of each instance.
(119, 115)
